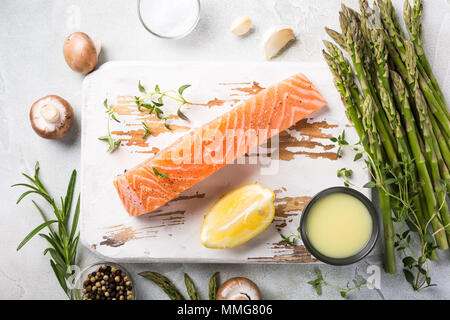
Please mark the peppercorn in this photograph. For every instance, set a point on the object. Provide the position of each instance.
(107, 283)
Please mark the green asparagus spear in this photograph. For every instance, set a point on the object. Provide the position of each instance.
(431, 154)
(164, 283)
(190, 287)
(377, 156)
(353, 38)
(412, 17)
(401, 96)
(213, 286)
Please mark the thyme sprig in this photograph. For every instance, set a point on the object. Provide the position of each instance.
(64, 239)
(292, 238)
(147, 130)
(153, 101)
(357, 283)
(113, 144)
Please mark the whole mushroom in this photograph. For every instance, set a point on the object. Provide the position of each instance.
(238, 288)
(80, 52)
(51, 117)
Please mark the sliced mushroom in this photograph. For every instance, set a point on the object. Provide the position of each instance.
(238, 289)
(241, 26)
(80, 52)
(51, 117)
(277, 40)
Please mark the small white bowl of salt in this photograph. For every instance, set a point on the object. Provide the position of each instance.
(169, 19)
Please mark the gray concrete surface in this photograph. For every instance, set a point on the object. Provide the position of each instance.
(32, 65)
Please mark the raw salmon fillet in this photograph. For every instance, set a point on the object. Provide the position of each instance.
(203, 151)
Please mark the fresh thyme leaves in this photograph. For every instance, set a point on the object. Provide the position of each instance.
(357, 283)
(64, 239)
(147, 130)
(345, 174)
(159, 174)
(113, 144)
(318, 282)
(340, 140)
(152, 101)
(291, 239)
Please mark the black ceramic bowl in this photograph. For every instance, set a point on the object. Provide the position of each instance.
(340, 261)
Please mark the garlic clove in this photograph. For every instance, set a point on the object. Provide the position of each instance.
(98, 46)
(276, 41)
(241, 26)
(50, 113)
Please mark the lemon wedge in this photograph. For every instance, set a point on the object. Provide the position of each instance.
(238, 216)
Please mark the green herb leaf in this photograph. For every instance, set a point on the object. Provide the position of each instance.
(408, 262)
(147, 130)
(34, 232)
(182, 88)
(409, 276)
(358, 156)
(370, 185)
(159, 174)
(141, 88)
(182, 115)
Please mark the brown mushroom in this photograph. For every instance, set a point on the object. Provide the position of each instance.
(238, 289)
(80, 52)
(51, 117)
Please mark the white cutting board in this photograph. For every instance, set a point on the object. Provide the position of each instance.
(171, 234)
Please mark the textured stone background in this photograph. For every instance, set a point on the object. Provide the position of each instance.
(32, 65)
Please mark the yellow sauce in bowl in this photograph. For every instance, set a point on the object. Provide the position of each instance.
(339, 225)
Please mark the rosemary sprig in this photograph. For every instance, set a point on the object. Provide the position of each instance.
(113, 144)
(64, 241)
(153, 101)
(159, 174)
